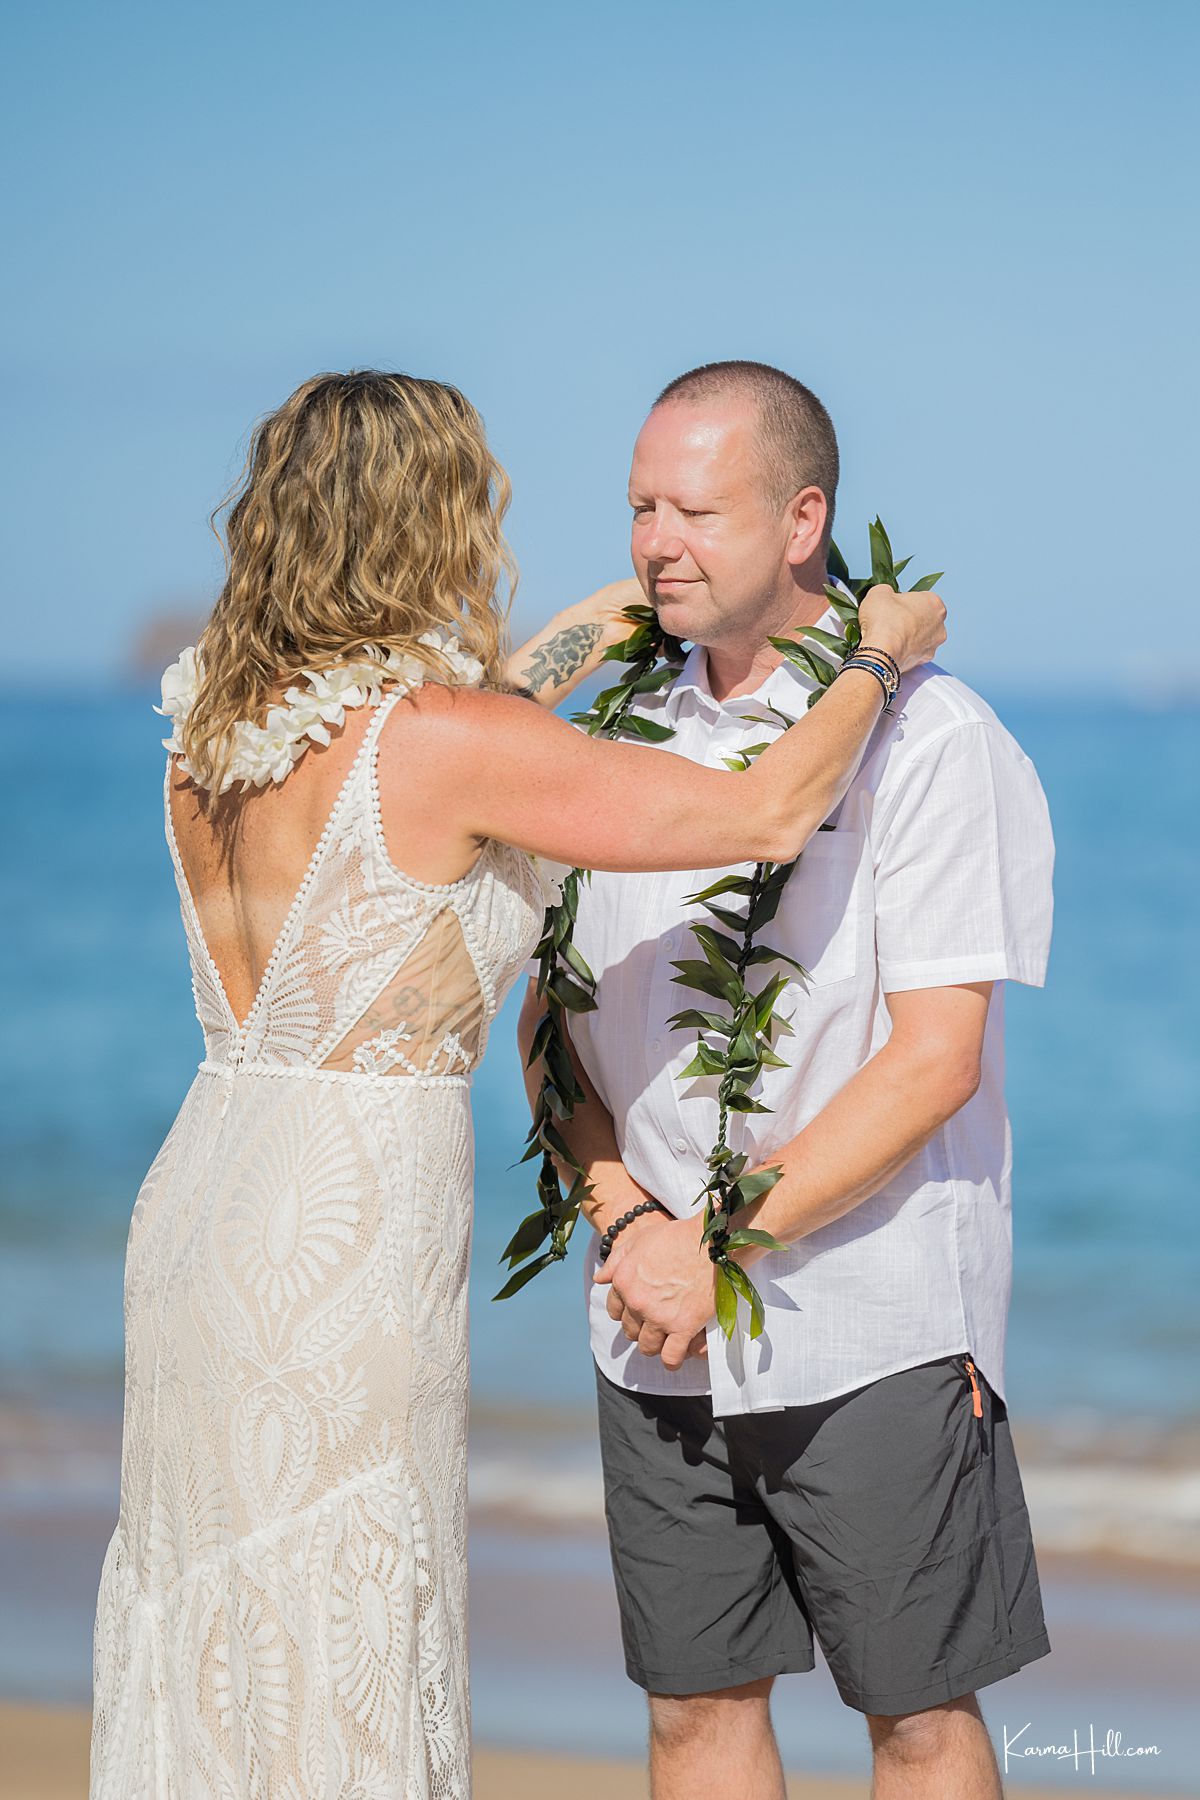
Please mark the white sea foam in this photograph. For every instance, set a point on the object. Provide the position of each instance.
(1124, 1488)
(1152, 1513)
(1084, 1505)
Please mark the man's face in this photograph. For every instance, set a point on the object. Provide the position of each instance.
(709, 549)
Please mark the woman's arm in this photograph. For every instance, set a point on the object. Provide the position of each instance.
(493, 766)
(572, 644)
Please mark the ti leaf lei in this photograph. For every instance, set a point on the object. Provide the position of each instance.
(737, 1028)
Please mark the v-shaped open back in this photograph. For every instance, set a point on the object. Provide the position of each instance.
(191, 906)
(372, 971)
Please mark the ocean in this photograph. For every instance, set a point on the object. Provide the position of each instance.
(100, 1041)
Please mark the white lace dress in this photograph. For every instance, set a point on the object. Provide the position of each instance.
(282, 1609)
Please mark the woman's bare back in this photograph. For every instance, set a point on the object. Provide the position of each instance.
(246, 854)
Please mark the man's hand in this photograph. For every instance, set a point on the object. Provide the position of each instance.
(661, 1286)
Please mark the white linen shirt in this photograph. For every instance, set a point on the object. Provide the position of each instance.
(938, 871)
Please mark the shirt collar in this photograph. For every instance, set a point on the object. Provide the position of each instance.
(691, 684)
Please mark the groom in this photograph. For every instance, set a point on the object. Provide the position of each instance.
(849, 1476)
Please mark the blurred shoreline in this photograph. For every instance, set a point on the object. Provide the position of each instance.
(1125, 1628)
(1125, 1491)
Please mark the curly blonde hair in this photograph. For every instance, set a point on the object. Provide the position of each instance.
(369, 512)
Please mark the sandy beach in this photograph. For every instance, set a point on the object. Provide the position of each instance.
(43, 1756)
(545, 1641)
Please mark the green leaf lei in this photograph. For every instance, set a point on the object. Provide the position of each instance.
(737, 1031)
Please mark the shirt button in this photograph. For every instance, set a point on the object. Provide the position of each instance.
(657, 1044)
(680, 1144)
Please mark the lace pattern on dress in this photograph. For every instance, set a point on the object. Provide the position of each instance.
(282, 1612)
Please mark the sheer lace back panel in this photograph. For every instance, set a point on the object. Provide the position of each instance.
(373, 972)
(429, 1018)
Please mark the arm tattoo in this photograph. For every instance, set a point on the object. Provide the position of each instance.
(561, 656)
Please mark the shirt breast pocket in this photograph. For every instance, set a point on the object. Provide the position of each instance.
(818, 917)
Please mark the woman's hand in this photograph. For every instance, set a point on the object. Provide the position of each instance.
(909, 626)
(606, 608)
(554, 661)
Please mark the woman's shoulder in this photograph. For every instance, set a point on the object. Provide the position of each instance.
(455, 721)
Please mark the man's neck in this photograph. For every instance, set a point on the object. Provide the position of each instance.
(740, 666)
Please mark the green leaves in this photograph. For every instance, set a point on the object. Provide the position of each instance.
(737, 1033)
(764, 1001)
(653, 679)
(749, 1187)
(565, 981)
(738, 1279)
(883, 567)
(740, 1101)
(827, 640)
(766, 903)
(571, 955)
(541, 1039)
(726, 1299)
(518, 1281)
(718, 974)
(699, 975)
(728, 884)
(529, 1235)
(740, 762)
(738, 1240)
(568, 993)
(649, 729)
(750, 1025)
(816, 666)
(731, 1283)
(701, 1021)
(726, 916)
(705, 1062)
(763, 953)
(835, 562)
(842, 605)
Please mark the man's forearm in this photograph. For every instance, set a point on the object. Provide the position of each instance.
(661, 1286)
(874, 1126)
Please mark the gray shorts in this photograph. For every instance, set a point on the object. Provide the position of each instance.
(888, 1523)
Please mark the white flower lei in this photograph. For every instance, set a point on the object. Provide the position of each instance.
(308, 715)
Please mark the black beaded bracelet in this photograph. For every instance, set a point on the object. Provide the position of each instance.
(618, 1225)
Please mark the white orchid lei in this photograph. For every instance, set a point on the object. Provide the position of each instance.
(308, 714)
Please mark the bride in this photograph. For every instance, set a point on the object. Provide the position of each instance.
(354, 799)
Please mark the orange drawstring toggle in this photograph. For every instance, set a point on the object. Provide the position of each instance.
(976, 1399)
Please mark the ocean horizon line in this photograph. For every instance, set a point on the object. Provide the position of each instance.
(1152, 691)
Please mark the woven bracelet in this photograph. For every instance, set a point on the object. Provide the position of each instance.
(875, 670)
(882, 655)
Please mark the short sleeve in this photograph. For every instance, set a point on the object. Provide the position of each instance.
(964, 859)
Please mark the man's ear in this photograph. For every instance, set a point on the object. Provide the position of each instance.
(807, 514)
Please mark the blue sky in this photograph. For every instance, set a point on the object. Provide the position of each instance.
(970, 229)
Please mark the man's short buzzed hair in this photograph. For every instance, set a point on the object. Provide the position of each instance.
(799, 445)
